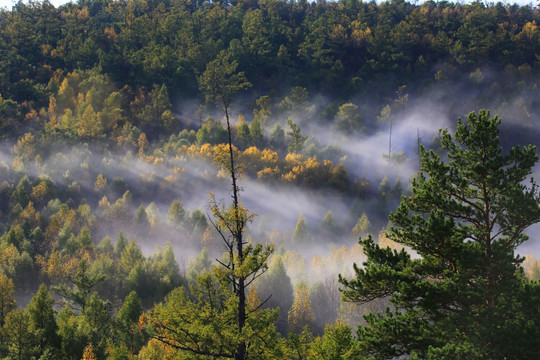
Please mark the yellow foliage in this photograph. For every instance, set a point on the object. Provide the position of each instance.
(110, 34)
(268, 174)
(269, 157)
(101, 183)
(301, 313)
(157, 350)
(530, 30)
(171, 178)
(293, 159)
(89, 125)
(25, 147)
(17, 165)
(339, 34)
(89, 349)
(40, 192)
(143, 144)
(104, 203)
(8, 258)
(83, 14)
(29, 214)
(207, 151)
(252, 300)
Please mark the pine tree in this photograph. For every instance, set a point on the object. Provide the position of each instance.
(464, 296)
(301, 234)
(7, 297)
(256, 132)
(176, 213)
(277, 136)
(296, 144)
(42, 320)
(243, 135)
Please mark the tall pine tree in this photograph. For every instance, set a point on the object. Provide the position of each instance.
(464, 295)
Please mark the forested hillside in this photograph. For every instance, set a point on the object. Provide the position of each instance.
(122, 124)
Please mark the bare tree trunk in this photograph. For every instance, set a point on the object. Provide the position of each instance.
(240, 287)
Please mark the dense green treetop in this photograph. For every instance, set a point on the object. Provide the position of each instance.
(463, 293)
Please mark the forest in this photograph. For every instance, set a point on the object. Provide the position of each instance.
(269, 179)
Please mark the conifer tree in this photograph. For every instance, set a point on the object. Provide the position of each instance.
(42, 320)
(256, 132)
(218, 323)
(301, 313)
(464, 296)
(7, 297)
(297, 139)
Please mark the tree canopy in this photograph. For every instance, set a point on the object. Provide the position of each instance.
(462, 294)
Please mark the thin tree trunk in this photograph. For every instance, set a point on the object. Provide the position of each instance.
(241, 289)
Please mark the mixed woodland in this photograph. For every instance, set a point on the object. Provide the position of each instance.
(128, 127)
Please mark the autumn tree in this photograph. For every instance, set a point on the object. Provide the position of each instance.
(464, 294)
(301, 313)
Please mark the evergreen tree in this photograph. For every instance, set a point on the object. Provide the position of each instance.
(217, 322)
(20, 340)
(296, 145)
(243, 135)
(176, 213)
(276, 291)
(42, 320)
(363, 226)
(301, 234)
(336, 344)
(120, 245)
(83, 282)
(141, 220)
(7, 297)
(277, 136)
(256, 132)
(465, 295)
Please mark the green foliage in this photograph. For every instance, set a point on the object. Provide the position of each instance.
(243, 136)
(200, 265)
(336, 343)
(43, 321)
(20, 340)
(119, 77)
(7, 297)
(296, 144)
(256, 132)
(348, 119)
(83, 282)
(206, 325)
(363, 226)
(220, 81)
(211, 132)
(301, 234)
(465, 295)
(176, 213)
(276, 291)
(296, 101)
(277, 136)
